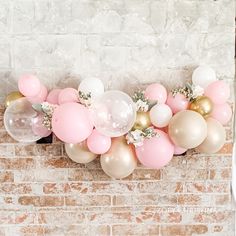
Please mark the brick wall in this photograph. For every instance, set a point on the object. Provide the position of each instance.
(124, 42)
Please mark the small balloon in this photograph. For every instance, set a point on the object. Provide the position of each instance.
(68, 95)
(113, 114)
(71, 123)
(156, 92)
(218, 92)
(19, 118)
(223, 113)
(203, 76)
(11, 97)
(79, 153)
(203, 105)
(142, 121)
(216, 137)
(160, 115)
(38, 127)
(177, 103)
(120, 161)
(156, 152)
(52, 97)
(98, 143)
(40, 97)
(29, 85)
(179, 150)
(187, 129)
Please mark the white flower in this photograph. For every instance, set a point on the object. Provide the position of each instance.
(197, 91)
(135, 137)
(142, 105)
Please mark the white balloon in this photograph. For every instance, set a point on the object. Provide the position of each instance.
(160, 115)
(203, 76)
(92, 85)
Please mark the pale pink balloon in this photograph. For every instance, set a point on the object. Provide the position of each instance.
(218, 92)
(156, 92)
(68, 95)
(71, 123)
(38, 127)
(222, 113)
(29, 85)
(177, 103)
(98, 143)
(40, 97)
(53, 96)
(156, 152)
(179, 150)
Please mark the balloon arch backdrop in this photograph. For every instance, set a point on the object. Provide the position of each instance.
(151, 126)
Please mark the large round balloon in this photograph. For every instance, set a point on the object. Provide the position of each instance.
(114, 113)
(79, 152)
(120, 161)
(71, 123)
(19, 119)
(187, 129)
(156, 152)
(215, 139)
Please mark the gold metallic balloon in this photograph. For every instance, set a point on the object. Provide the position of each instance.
(11, 97)
(79, 152)
(143, 121)
(216, 137)
(120, 161)
(187, 129)
(202, 105)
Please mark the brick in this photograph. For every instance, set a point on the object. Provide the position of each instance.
(17, 163)
(146, 174)
(226, 149)
(6, 176)
(41, 201)
(12, 188)
(215, 162)
(220, 174)
(215, 217)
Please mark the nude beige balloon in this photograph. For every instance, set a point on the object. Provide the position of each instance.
(79, 152)
(216, 137)
(187, 129)
(120, 161)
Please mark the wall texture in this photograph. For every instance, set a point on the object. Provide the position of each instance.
(125, 43)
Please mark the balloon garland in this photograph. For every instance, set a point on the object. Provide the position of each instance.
(151, 127)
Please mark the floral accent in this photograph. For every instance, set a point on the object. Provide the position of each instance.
(137, 137)
(197, 91)
(85, 98)
(142, 104)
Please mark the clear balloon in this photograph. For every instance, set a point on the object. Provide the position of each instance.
(79, 153)
(38, 127)
(203, 76)
(113, 114)
(19, 118)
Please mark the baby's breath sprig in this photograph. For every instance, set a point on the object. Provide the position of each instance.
(85, 98)
(142, 103)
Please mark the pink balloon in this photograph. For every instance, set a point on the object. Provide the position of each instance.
(218, 92)
(179, 150)
(71, 123)
(38, 127)
(98, 143)
(53, 96)
(177, 103)
(222, 113)
(29, 85)
(68, 95)
(40, 97)
(156, 92)
(156, 152)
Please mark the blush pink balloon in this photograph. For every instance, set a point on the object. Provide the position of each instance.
(177, 103)
(38, 127)
(156, 92)
(68, 95)
(71, 123)
(53, 96)
(222, 113)
(40, 97)
(179, 150)
(218, 92)
(156, 152)
(29, 85)
(98, 143)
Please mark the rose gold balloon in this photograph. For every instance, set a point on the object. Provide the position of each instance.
(120, 161)
(79, 152)
(215, 139)
(187, 129)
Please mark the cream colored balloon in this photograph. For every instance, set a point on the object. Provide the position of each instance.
(187, 129)
(120, 161)
(216, 137)
(79, 152)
